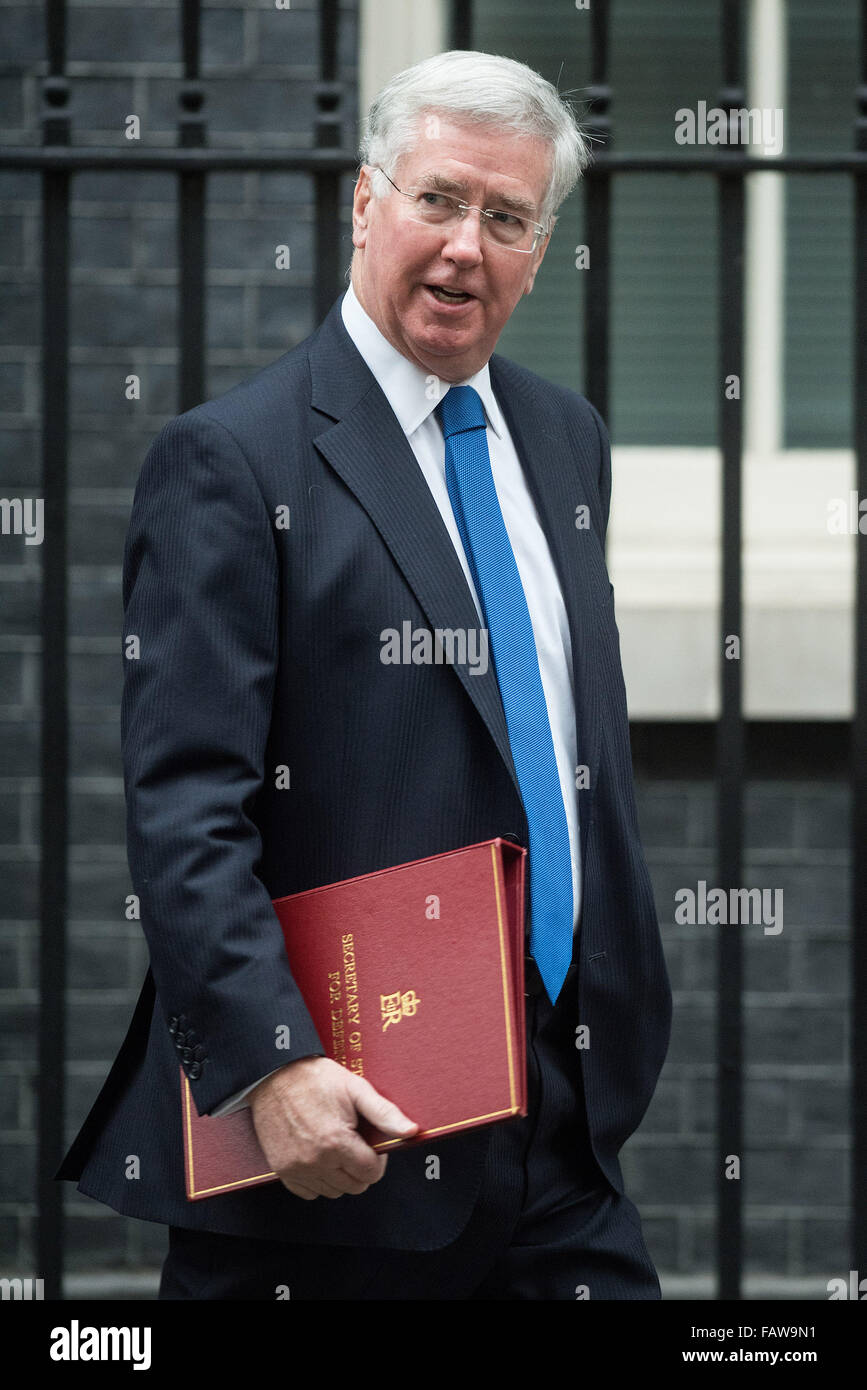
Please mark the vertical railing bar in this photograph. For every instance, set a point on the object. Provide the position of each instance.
(328, 132)
(54, 771)
(191, 219)
(859, 719)
(597, 204)
(461, 24)
(730, 729)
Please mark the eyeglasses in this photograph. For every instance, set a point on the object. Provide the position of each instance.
(437, 209)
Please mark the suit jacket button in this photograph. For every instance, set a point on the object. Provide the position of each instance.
(191, 1037)
(173, 1026)
(198, 1052)
(186, 1054)
(195, 1071)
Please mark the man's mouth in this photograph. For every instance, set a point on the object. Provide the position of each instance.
(444, 296)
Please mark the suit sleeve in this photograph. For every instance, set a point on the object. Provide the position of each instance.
(200, 660)
(238, 1100)
(604, 468)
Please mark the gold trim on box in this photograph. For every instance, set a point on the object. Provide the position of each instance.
(504, 970)
(222, 1187)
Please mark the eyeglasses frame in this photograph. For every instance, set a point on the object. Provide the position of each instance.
(464, 208)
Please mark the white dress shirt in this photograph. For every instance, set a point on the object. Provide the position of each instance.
(407, 390)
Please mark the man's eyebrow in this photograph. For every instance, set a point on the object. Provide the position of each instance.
(508, 202)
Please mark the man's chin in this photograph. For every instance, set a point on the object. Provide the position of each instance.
(442, 341)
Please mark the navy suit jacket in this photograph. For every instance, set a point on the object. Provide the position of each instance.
(259, 650)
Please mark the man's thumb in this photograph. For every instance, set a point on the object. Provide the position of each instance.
(379, 1111)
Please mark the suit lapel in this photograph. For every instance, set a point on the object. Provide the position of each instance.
(367, 447)
(369, 450)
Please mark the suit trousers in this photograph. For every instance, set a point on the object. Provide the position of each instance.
(547, 1223)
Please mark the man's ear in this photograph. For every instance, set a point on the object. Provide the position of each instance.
(360, 207)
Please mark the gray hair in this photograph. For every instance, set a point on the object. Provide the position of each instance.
(476, 89)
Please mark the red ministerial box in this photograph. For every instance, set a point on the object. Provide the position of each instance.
(414, 978)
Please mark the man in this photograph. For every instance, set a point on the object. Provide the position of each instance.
(277, 535)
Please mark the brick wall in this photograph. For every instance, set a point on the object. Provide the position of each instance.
(794, 1168)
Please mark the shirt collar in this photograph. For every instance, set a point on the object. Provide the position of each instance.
(404, 384)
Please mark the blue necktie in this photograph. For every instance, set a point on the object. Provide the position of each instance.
(510, 634)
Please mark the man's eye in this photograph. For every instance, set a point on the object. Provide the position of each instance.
(434, 200)
(506, 219)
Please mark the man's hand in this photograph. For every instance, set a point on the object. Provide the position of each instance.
(305, 1117)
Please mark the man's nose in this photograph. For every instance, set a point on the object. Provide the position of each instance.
(464, 242)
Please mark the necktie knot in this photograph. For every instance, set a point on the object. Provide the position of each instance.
(460, 409)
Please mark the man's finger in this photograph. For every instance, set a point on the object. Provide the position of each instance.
(379, 1111)
(328, 1188)
(299, 1190)
(360, 1161)
(351, 1184)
